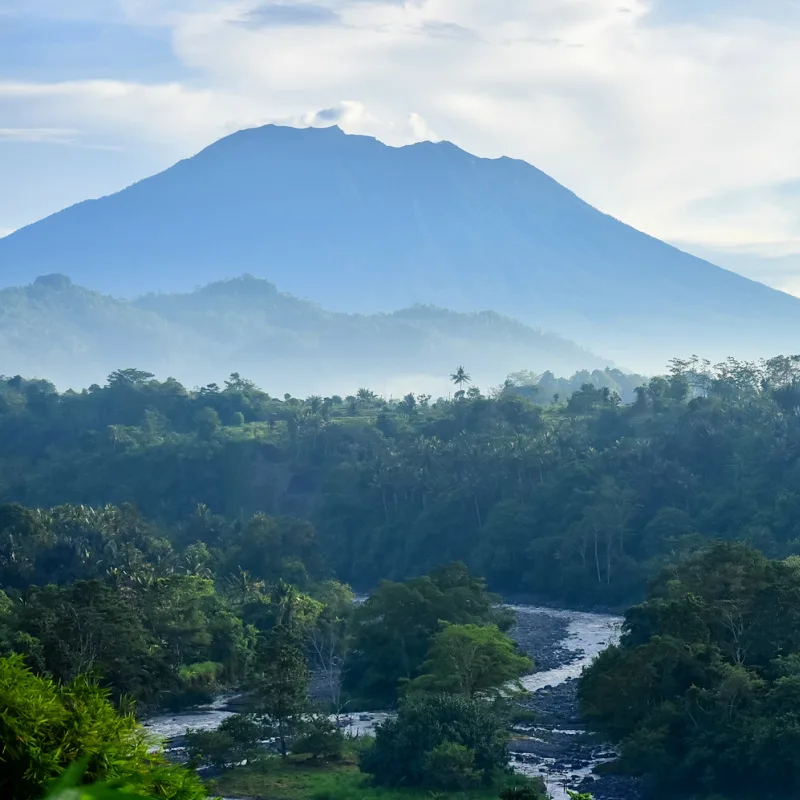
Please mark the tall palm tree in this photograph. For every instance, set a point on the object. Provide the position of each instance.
(460, 377)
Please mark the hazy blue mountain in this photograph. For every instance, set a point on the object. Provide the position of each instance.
(57, 330)
(362, 227)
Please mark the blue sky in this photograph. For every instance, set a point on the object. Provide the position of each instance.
(680, 117)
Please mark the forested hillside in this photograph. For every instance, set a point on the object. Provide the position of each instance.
(75, 337)
(578, 501)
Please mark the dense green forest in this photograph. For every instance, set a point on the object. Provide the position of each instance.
(160, 544)
(704, 690)
(577, 501)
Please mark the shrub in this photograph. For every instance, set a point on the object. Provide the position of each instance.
(530, 790)
(319, 738)
(237, 739)
(46, 727)
(451, 767)
(402, 748)
(202, 675)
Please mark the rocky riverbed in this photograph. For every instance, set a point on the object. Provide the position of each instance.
(556, 745)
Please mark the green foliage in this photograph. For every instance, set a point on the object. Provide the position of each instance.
(451, 766)
(524, 791)
(165, 616)
(472, 660)
(237, 739)
(45, 727)
(704, 690)
(319, 738)
(403, 752)
(283, 683)
(394, 627)
(581, 501)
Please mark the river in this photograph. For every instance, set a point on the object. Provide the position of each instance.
(562, 643)
(556, 746)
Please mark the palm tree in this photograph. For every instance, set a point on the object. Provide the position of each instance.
(460, 377)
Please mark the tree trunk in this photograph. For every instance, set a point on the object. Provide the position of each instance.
(385, 506)
(597, 557)
(282, 739)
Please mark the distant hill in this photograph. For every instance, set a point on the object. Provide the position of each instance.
(74, 336)
(362, 227)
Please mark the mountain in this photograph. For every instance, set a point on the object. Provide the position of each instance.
(363, 227)
(55, 329)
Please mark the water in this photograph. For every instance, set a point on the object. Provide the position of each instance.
(205, 718)
(587, 634)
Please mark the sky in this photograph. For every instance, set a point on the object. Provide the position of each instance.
(680, 117)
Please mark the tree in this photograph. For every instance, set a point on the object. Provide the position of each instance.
(392, 630)
(460, 377)
(328, 639)
(472, 660)
(89, 627)
(432, 731)
(129, 377)
(282, 683)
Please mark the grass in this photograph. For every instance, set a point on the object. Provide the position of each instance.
(295, 779)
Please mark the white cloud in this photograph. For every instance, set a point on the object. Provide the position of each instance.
(68, 137)
(654, 123)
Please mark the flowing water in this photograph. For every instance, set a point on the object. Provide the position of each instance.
(587, 635)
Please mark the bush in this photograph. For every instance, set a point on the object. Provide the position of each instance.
(203, 675)
(451, 767)
(403, 748)
(319, 738)
(46, 727)
(532, 790)
(237, 739)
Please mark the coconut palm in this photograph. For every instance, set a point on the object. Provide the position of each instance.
(460, 377)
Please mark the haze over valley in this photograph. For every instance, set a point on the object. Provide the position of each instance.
(360, 227)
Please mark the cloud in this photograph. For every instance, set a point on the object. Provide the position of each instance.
(289, 15)
(657, 111)
(49, 135)
(447, 30)
(170, 114)
(353, 117)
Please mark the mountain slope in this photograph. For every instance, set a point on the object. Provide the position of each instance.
(360, 226)
(76, 337)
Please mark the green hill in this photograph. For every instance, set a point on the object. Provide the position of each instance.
(76, 337)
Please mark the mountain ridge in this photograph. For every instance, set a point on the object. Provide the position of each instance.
(56, 329)
(364, 227)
